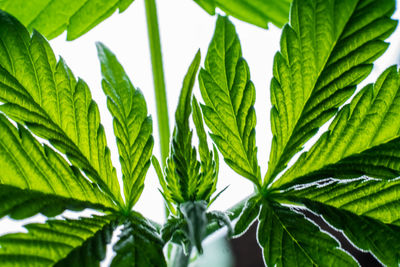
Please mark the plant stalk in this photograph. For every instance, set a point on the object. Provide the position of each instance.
(158, 78)
(181, 259)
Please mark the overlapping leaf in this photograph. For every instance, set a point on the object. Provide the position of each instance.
(248, 214)
(132, 127)
(45, 95)
(367, 211)
(139, 245)
(383, 240)
(327, 49)
(53, 17)
(289, 239)
(23, 203)
(229, 96)
(257, 12)
(362, 139)
(372, 198)
(26, 165)
(57, 243)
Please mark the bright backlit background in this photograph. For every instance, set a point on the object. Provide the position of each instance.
(185, 28)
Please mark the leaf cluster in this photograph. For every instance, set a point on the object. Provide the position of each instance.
(349, 176)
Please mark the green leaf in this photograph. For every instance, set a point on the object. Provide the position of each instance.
(139, 245)
(229, 96)
(182, 171)
(23, 203)
(257, 12)
(44, 94)
(326, 50)
(132, 127)
(209, 160)
(366, 210)
(362, 140)
(383, 240)
(28, 166)
(249, 213)
(57, 241)
(376, 199)
(289, 239)
(52, 18)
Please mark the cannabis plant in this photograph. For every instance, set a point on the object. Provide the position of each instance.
(54, 155)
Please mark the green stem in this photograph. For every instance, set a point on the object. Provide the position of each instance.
(181, 259)
(158, 78)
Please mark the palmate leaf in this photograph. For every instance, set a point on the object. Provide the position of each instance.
(139, 245)
(326, 50)
(362, 140)
(53, 17)
(45, 95)
(229, 96)
(132, 126)
(34, 178)
(367, 211)
(289, 239)
(58, 243)
(259, 12)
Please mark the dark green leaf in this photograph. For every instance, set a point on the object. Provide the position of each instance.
(289, 239)
(229, 96)
(23, 203)
(383, 240)
(138, 245)
(326, 50)
(249, 213)
(52, 18)
(132, 126)
(57, 241)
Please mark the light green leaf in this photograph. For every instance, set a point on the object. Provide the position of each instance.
(229, 96)
(139, 245)
(383, 240)
(209, 160)
(257, 12)
(53, 17)
(362, 140)
(44, 94)
(32, 172)
(183, 168)
(378, 200)
(326, 50)
(132, 127)
(289, 239)
(57, 241)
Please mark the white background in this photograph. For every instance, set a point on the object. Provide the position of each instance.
(185, 28)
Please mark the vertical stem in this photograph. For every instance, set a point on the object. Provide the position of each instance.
(179, 258)
(158, 78)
